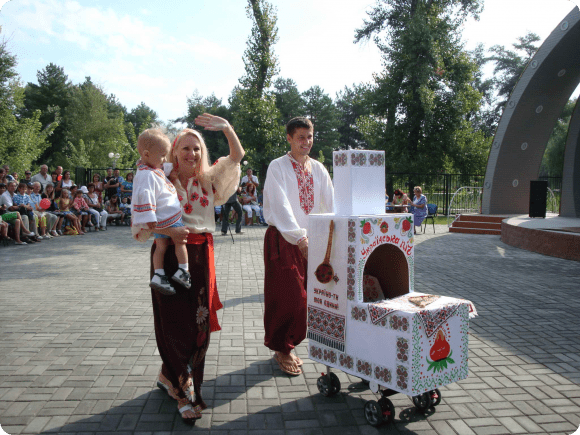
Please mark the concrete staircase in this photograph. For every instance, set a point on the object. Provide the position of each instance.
(477, 224)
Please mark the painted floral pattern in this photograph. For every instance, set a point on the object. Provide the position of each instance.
(399, 323)
(402, 349)
(330, 356)
(377, 159)
(351, 230)
(315, 352)
(358, 159)
(201, 315)
(346, 361)
(359, 314)
(383, 374)
(402, 377)
(350, 281)
(340, 159)
(364, 367)
(351, 251)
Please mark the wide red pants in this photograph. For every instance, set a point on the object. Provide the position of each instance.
(284, 293)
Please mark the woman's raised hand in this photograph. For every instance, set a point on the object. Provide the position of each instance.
(211, 122)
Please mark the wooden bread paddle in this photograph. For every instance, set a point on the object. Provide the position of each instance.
(324, 272)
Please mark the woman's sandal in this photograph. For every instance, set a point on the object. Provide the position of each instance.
(189, 407)
(297, 360)
(287, 364)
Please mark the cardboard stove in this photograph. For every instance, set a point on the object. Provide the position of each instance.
(404, 341)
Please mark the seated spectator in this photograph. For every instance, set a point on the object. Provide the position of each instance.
(27, 177)
(81, 208)
(125, 208)
(43, 177)
(64, 183)
(54, 176)
(250, 202)
(25, 207)
(53, 209)
(115, 213)
(3, 178)
(127, 188)
(399, 198)
(12, 219)
(93, 200)
(47, 220)
(64, 205)
(98, 187)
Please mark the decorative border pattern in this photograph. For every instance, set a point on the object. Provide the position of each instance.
(359, 314)
(383, 374)
(326, 328)
(377, 159)
(399, 323)
(350, 281)
(358, 159)
(351, 230)
(346, 361)
(340, 159)
(402, 377)
(364, 367)
(402, 350)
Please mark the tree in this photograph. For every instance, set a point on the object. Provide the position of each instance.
(422, 100)
(22, 139)
(215, 141)
(289, 100)
(255, 115)
(319, 107)
(51, 96)
(553, 161)
(351, 104)
(88, 119)
(141, 118)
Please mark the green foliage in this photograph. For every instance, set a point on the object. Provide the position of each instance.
(422, 102)
(553, 161)
(351, 104)
(141, 118)
(319, 107)
(22, 139)
(289, 100)
(215, 141)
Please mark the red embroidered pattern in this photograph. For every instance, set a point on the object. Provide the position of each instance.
(305, 187)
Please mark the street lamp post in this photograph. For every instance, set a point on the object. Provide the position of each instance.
(114, 156)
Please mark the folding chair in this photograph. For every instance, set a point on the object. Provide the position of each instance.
(431, 214)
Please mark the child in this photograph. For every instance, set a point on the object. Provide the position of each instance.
(125, 208)
(155, 207)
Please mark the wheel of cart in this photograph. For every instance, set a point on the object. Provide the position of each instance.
(426, 400)
(328, 384)
(381, 411)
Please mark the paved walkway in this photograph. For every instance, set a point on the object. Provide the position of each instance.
(78, 353)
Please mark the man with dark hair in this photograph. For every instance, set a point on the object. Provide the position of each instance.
(295, 186)
(111, 184)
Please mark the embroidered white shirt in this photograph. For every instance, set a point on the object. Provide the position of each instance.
(292, 192)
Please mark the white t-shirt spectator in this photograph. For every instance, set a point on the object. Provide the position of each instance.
(245, 179)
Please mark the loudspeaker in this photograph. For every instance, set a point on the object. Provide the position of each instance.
(538, 194)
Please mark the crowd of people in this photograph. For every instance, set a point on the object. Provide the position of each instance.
(48, 205)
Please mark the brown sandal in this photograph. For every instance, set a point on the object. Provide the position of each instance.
(287, 364)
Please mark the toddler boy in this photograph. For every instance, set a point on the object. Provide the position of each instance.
(155, 206)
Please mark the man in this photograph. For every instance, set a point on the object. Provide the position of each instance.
(120, 181)
(27, 177)
(7, 200)
(296, 186)
(7, 172)
(111, 184)
(43, 177)
(250, 177)
(232, 202)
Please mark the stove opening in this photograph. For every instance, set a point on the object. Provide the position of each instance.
(386, 270)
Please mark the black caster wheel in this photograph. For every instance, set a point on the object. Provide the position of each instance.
(388, 410)
(435, 397)
(335, 384)
(422, 402)
(328, 385)
(373, 413)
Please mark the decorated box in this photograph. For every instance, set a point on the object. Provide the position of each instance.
(368, 320)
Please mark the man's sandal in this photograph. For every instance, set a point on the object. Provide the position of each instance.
(287, 364)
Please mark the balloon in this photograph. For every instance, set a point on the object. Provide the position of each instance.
(45, 203)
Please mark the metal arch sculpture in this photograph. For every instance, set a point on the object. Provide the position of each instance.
(528, 120)
(570, 202)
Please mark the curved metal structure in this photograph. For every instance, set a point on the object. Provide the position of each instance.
(528, 121)
(570, 199)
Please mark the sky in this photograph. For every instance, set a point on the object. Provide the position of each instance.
(161, 52)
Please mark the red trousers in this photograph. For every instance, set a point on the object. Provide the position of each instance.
(284, 293)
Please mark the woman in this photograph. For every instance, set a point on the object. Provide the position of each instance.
(419, 207)
(64, 183)
(64, 205)
(98, 187)
(183, 321)
(250, 202)
(115, 213)
(400, 199)
(127, 187)
(96, 210)
(54, 176)
(49, 219)
(53, 209)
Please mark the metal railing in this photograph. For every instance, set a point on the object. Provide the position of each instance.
(466, 199)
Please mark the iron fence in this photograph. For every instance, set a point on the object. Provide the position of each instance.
(84, 176)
